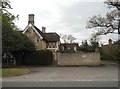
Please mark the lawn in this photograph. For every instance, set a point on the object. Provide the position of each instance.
(9, 72)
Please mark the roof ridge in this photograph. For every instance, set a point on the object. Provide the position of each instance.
(51, 32)
(37, 27)
(50, 36)
(40, 32)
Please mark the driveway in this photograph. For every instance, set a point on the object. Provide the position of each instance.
(67, 76)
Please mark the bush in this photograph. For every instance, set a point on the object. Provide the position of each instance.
(87, 49)
(109, 54)
(39, 57)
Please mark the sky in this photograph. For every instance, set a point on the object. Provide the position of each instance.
(62, 16)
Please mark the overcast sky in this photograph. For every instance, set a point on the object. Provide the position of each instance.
(61, 16)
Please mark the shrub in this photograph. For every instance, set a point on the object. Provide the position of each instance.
(87, 49)
(109, 53)
(39, 57)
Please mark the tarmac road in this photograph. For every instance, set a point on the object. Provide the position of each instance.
(101, 76)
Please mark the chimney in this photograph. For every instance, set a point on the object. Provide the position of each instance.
(31, 19)
(43, 29)
(110, 43)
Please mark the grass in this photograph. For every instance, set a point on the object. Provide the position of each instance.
(9, 72)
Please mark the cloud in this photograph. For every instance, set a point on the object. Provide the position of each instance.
(74, 17)
(61, 16)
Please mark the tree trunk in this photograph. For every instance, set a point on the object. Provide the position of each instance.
(119, 28)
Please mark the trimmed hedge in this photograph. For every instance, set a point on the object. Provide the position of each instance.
(39, 57)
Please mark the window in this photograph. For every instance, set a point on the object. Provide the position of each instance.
(63, 48)
(49, 45)
(55, 44)
(30, 30)
(75, 48)
(68, 48)
(37, 39)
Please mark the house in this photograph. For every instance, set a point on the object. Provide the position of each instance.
(68, 47)
(41, 38)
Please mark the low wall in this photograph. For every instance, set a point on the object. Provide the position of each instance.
(79, 59)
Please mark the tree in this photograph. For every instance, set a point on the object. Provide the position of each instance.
(108, 24)
(6, 4)
(84, 46)
(71, 38)
(67, 38)
(15, 41)
(12, 39)
(113, 4)
(94, 38)
(94, 41)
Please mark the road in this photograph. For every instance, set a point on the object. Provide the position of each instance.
(104, 75)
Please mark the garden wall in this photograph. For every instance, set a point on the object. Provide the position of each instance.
(79, 59)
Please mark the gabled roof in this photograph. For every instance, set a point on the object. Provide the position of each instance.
(52, 37)
(49, 37)
(40, 32)
(34, 28)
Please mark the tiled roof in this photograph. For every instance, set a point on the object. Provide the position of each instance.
(40, 32)
(49, 37)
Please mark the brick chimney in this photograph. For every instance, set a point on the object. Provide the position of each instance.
(43, 29)
(31, 19)
(110, 43)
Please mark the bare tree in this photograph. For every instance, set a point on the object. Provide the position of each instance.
(67, 38)
(113, 4)
(94, 38)
(71, 38)
(108, 24)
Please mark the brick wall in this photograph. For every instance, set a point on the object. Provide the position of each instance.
(78, 59)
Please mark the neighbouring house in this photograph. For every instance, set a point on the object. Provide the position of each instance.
(41, 38)
(68, 47)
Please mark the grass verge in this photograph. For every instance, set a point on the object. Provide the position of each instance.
(9, 72)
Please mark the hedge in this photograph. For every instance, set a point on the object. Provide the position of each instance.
(39, 57)
(109, 53)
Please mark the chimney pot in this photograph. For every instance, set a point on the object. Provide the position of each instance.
(43, 29)
(110, 43)
(31, 19)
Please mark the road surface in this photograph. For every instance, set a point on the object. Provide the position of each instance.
(101, 76)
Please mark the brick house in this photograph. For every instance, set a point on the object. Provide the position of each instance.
(42, 39)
